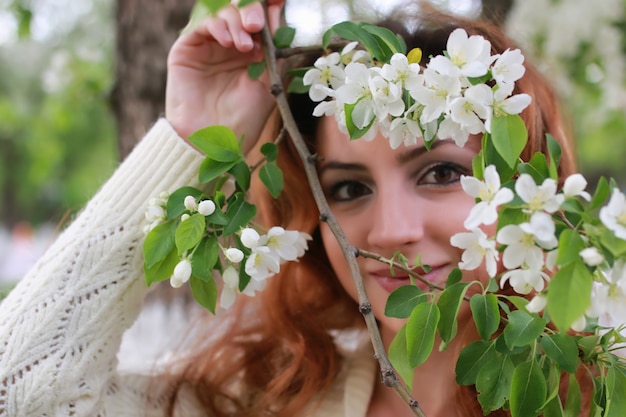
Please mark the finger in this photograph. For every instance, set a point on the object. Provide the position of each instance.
(274, 13)
(233, 20)
(252, 17)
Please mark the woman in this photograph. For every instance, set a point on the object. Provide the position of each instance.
(297, 349)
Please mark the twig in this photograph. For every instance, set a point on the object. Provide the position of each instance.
(388, 374)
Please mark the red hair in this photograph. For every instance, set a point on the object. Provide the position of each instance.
(277, 354)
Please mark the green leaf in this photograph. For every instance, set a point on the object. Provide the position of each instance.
(204, 292)
(573, 403)
(211, 169)
(241, 172)
(399, 357)
(214, 6)
(570, 245)
(492, 157)
(420, 332)
(537, 167)
(269, 151)
(204, 258)
(615, 392)
(218, 143)
(243, 3)
(449, 304)
(455, 276)
(523, 328)
(284, 36)
(296, 86)
(353, 130)
(603, 190)
(472, 359)
(354, 32)
(176, 202)
(554, 151)
(189, 232)
(403, 300)
(159, 243)
(587, 345)
(509, 136)
(272, 176)
(394, 42)
(239, 213)
(494, 383)
(562, 349)
(486, 314)
(163, 269)
(569, 294)
(255, 70)
(528, 390)
(218, 218)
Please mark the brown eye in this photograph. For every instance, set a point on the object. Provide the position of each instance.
(442, 174)
(348, 191)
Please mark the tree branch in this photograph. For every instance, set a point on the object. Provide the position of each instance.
(388, 374)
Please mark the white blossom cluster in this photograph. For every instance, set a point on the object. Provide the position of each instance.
(556, 33)
(404, 101)
(266, 252)
(530, 248)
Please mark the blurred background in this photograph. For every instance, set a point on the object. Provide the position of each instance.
(80, 82)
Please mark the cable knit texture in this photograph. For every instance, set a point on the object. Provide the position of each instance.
(62, 326)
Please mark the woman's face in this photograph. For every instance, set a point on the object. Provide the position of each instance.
(408, 200)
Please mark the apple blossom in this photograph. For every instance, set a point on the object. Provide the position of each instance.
(477, 247)
(508, 67)
(234, 255)
(613, 215)
(538, 197)
(182, 273)
(262, 263)
(250, 238)
(591, 256)
(490, 194)
(206, 207)
(525, 280)
(190, 203)
(575, 185)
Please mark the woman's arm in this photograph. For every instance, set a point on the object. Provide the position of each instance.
(62, 325)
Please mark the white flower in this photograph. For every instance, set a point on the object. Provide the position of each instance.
(469, 113)
(575, 185)
(285, 243)
(468, 56)
(386, 97)
(250, 238)
(508, 67)
(504, 104)
(326, 72)
(608, 298)
(437, 90)
(262, 263)
(490, 194)
(538, 197)
(400, 71)
(190, 203)
(254, 286)
(230, 278)
(522, 243)
(206, 207)
(182, 273)
(234, 255)
(524, 281)
(579, 324)
(404, 129)
(156, 212)
(591, 256)
(477, 246)
(613, 215)
(453, 130)
(537, 304)
(349, 54)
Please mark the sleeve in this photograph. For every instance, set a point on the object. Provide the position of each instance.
(61, 327)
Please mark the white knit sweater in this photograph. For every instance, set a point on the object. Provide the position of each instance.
(62, 326)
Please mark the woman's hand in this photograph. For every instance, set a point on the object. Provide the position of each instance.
(208, 82)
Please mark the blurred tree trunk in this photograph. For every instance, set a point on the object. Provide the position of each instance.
(496, 11)
(145, 31)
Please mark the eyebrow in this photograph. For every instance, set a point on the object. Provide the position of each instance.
(402, 159)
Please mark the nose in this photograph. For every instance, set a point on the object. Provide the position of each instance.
(398, 218)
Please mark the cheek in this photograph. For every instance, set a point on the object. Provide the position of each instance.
(337, 261)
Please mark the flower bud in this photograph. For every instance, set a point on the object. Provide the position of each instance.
(184, 217)
(206, 207)
(182, 273)
(234, 255)
(190, 203)
(230, 277)
(591, 256)
(250, 238)
(537, 304)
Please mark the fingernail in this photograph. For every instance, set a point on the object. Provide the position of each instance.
(254, 18)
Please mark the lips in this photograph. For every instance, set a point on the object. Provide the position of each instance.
(390, 282)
